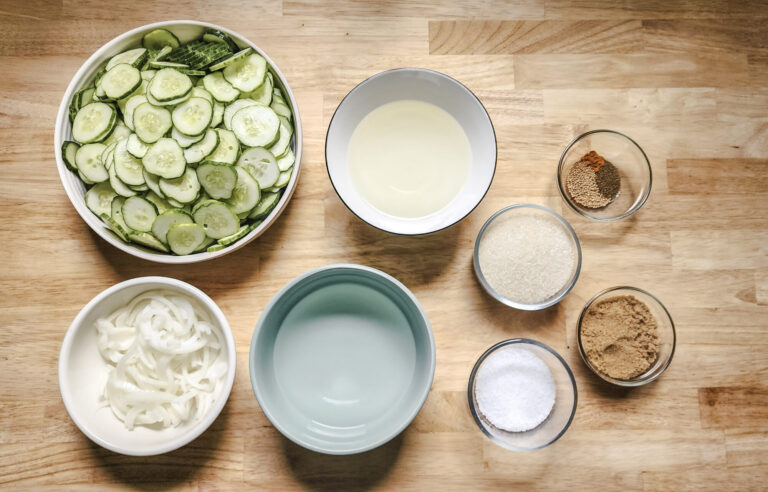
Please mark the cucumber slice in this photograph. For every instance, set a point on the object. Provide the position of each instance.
(184, 239)
(200, 92)
(139, 188)
(286, 162)
(88, 160)
(217, 178)
(165, 159)
(93, 122)
(228, 148)
(206, 242)
(265, 205)
(246, 194)
(68, 152)
(169, 84)
(151, 123)
(116, 211)
(167, 219)
(135, 146)
(217, 219)
(148, 240)
(261, 164)
(216, 247)
(193, 116)
(256, 126)
(167, 64)
(174, 204)
(202, 149)
(84, 179)
(159, 55)
(281, 108)
(86, 97)
(283, 139)
(134, 58)
(159, 203)
(127, 167)
(283, 180)
(99, 197)
(153, 182)
(159, 38)
(263, 93)
(231, 59)
(214, 35)
(218, 113)
(226, 241)
(115, 227)
(139, 213)
(233, 108)
(147, 75)
(183, 189)
(185, 140)
(247, 73)
(120, 188)
(172, 102)
(119, 132)
(121, 80)
(220, 89)
(130, 106)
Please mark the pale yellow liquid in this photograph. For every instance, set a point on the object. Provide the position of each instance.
(409, 158)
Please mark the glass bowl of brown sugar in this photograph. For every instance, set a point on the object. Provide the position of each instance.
(626, 336)
(604, 175)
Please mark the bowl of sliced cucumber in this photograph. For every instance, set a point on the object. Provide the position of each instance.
(179, 142)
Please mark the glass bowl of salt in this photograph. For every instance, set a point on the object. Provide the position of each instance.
(522, 394)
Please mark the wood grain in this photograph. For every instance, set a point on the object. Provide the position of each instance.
(688, 80)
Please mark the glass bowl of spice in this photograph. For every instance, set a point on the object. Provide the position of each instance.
(626, 336)
(527, 257)
(522, 394)
(604, 175)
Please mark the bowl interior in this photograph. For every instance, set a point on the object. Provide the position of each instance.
(667, 335)
(422, 85)
(75, 188)
(342, 359)
(631, 163)
(83, 374)
(559, 418)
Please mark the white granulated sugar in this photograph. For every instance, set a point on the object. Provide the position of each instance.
(526, 257)
(514, 390)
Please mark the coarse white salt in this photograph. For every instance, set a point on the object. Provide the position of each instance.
(526, 256)
(514, 389)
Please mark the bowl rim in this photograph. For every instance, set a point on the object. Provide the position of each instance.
(193, 432)
(564, 194)
(145, 254)
(435, 73)
(260, 395)
(517, 305)
(629, 383)
(471, 384)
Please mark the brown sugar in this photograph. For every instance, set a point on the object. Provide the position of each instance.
(593, 182)
(620, 337)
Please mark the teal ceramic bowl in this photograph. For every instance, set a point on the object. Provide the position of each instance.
(342, 359)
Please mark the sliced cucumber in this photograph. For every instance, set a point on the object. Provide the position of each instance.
(281, 108)
(287, 160)
(202, 149)
(246, 194)
(193, 116)
(184, 239)
(165, 159)
(159, 38)
(161, 204)
(167, 219)
(120, 188)
(261, 164)
(218, 179)
(217, 219)
(140, 188)
(147, 75)
(172, 102)
(148, 240)
(116, 212)
(68, 152)
(228, 149)
(284, 138)
(169, 84)
(151, 123)
(93, 122)
(174, 204)
(282, 180)
(139, 213)
(263, 93)
(119, 132)
(121, 80)
(127, 167)
(130, 106)
(216, 247)
(220, 89)
(218, 113)
(184, 140)
(134, 58)
(233, 108)
(161, 54)
(233, 238)
(115, 227)
(246, 74)
(265, 205)
(88, 160)
(183, 189)
(200, 92)
(99, 197)
(167, 64)
(206, 242)
(256, 126)
(135, 146)
(214, 35)
(231, 59)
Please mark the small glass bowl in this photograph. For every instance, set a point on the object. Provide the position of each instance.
(558, 296)
(631, 162)
(559, 418)
(666, 335)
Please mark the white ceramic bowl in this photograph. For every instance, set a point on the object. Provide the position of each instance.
(186, 31)
(83, 373)
(422, 85)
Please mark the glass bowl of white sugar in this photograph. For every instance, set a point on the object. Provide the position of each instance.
(527, 256)
(522, 394)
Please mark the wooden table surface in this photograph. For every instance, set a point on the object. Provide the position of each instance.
(688, 80)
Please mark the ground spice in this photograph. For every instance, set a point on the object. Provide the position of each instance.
(620, 337)
(593, 182)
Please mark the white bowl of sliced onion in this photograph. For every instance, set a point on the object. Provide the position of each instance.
(147, 366)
